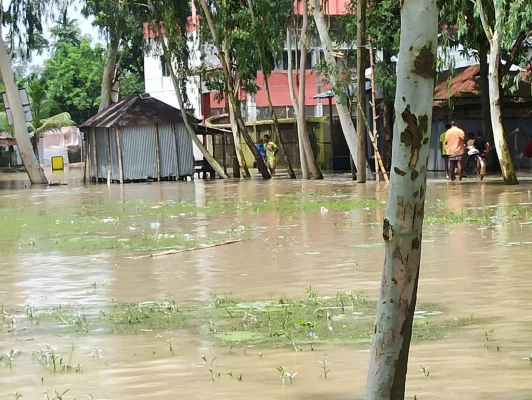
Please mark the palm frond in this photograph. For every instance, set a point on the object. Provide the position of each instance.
(56, 122)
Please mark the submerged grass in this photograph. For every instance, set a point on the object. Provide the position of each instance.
(145, 226)
(347, 318)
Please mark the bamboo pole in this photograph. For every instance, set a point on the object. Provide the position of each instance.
(224, 155)
(94, 153)
(109, 164)
(157, 152)
(374, 106)
(174, 143)
(86, 145)
(377, 153)
(119, 150)
(174, 130)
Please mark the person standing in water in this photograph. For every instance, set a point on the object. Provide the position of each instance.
(271, 154)
(444, 154)
(454, 145)
(261, 150)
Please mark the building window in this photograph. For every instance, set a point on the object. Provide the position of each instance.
(295, 60)
(164, 67)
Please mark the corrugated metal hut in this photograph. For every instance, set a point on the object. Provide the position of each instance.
(139, 138)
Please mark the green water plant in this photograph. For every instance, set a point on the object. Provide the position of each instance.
(425, 370)
(325, 367)
(285, 375)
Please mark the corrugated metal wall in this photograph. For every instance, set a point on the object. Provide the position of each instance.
(139, 155)
(138, 152)
(185, 152)
(167, 146)
(101, 152)
(115, 172)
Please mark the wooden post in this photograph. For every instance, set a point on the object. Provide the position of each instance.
(224, 154)
(119, 150)
(377, 153)
(174, 130)
(374, 108)
(95, 156)
(86, 146)
(158, 152)
(109, 164)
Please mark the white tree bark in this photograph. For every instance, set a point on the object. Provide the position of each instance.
(236, 136)
(348, 127)
(501, 146)
(402, 228)
(301, 116)
(177, 88)
(302, 155)
(29, 159)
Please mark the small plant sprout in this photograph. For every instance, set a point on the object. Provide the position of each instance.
(30, 311)
(97, 353)
(9, 357)
(425, 370)
(487, 338)
(18, 396)
(324, 365)
(284, 375)
(170, 347)
(240, 378)
(529, 359)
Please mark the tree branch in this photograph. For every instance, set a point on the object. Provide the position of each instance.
(484, 19)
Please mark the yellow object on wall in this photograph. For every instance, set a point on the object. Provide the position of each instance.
(58, 163)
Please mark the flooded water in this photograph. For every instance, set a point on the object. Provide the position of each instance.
(477, 270)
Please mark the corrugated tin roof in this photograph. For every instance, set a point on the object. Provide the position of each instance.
(462, 85)
(135, 111)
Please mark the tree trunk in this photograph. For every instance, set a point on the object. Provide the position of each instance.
(276, 129)
(402, 228)
(499, 139)
(25, 148)
(238, 146)
(348, 127)
(177, 88)
(231, 94)
(302, 155)
(387, 120)
(109, 71)
(301, 116)
(236, 136)
(361, 89)
(485, 94)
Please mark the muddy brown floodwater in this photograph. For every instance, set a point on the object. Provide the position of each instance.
(478, 270)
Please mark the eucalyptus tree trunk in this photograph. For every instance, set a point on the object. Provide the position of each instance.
(402, 227)
(231, 94)
(361, 90)
(348, 127)
(302, 155)
(177, 89)
(495, 41)
(277, 131)
(109, 71)
(301, 116)
(29, 159)
(236, 136)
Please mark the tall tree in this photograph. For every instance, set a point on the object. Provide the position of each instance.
(230, 89)
(362, 57)
(269, 33)
(301, 115)
(28, 13)
(169, 22)
(335, 74)
(509, 19)
(302, 156)
(111, 18)
(403, 223)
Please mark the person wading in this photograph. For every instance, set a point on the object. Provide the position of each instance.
(454, 145)
(271, 154)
